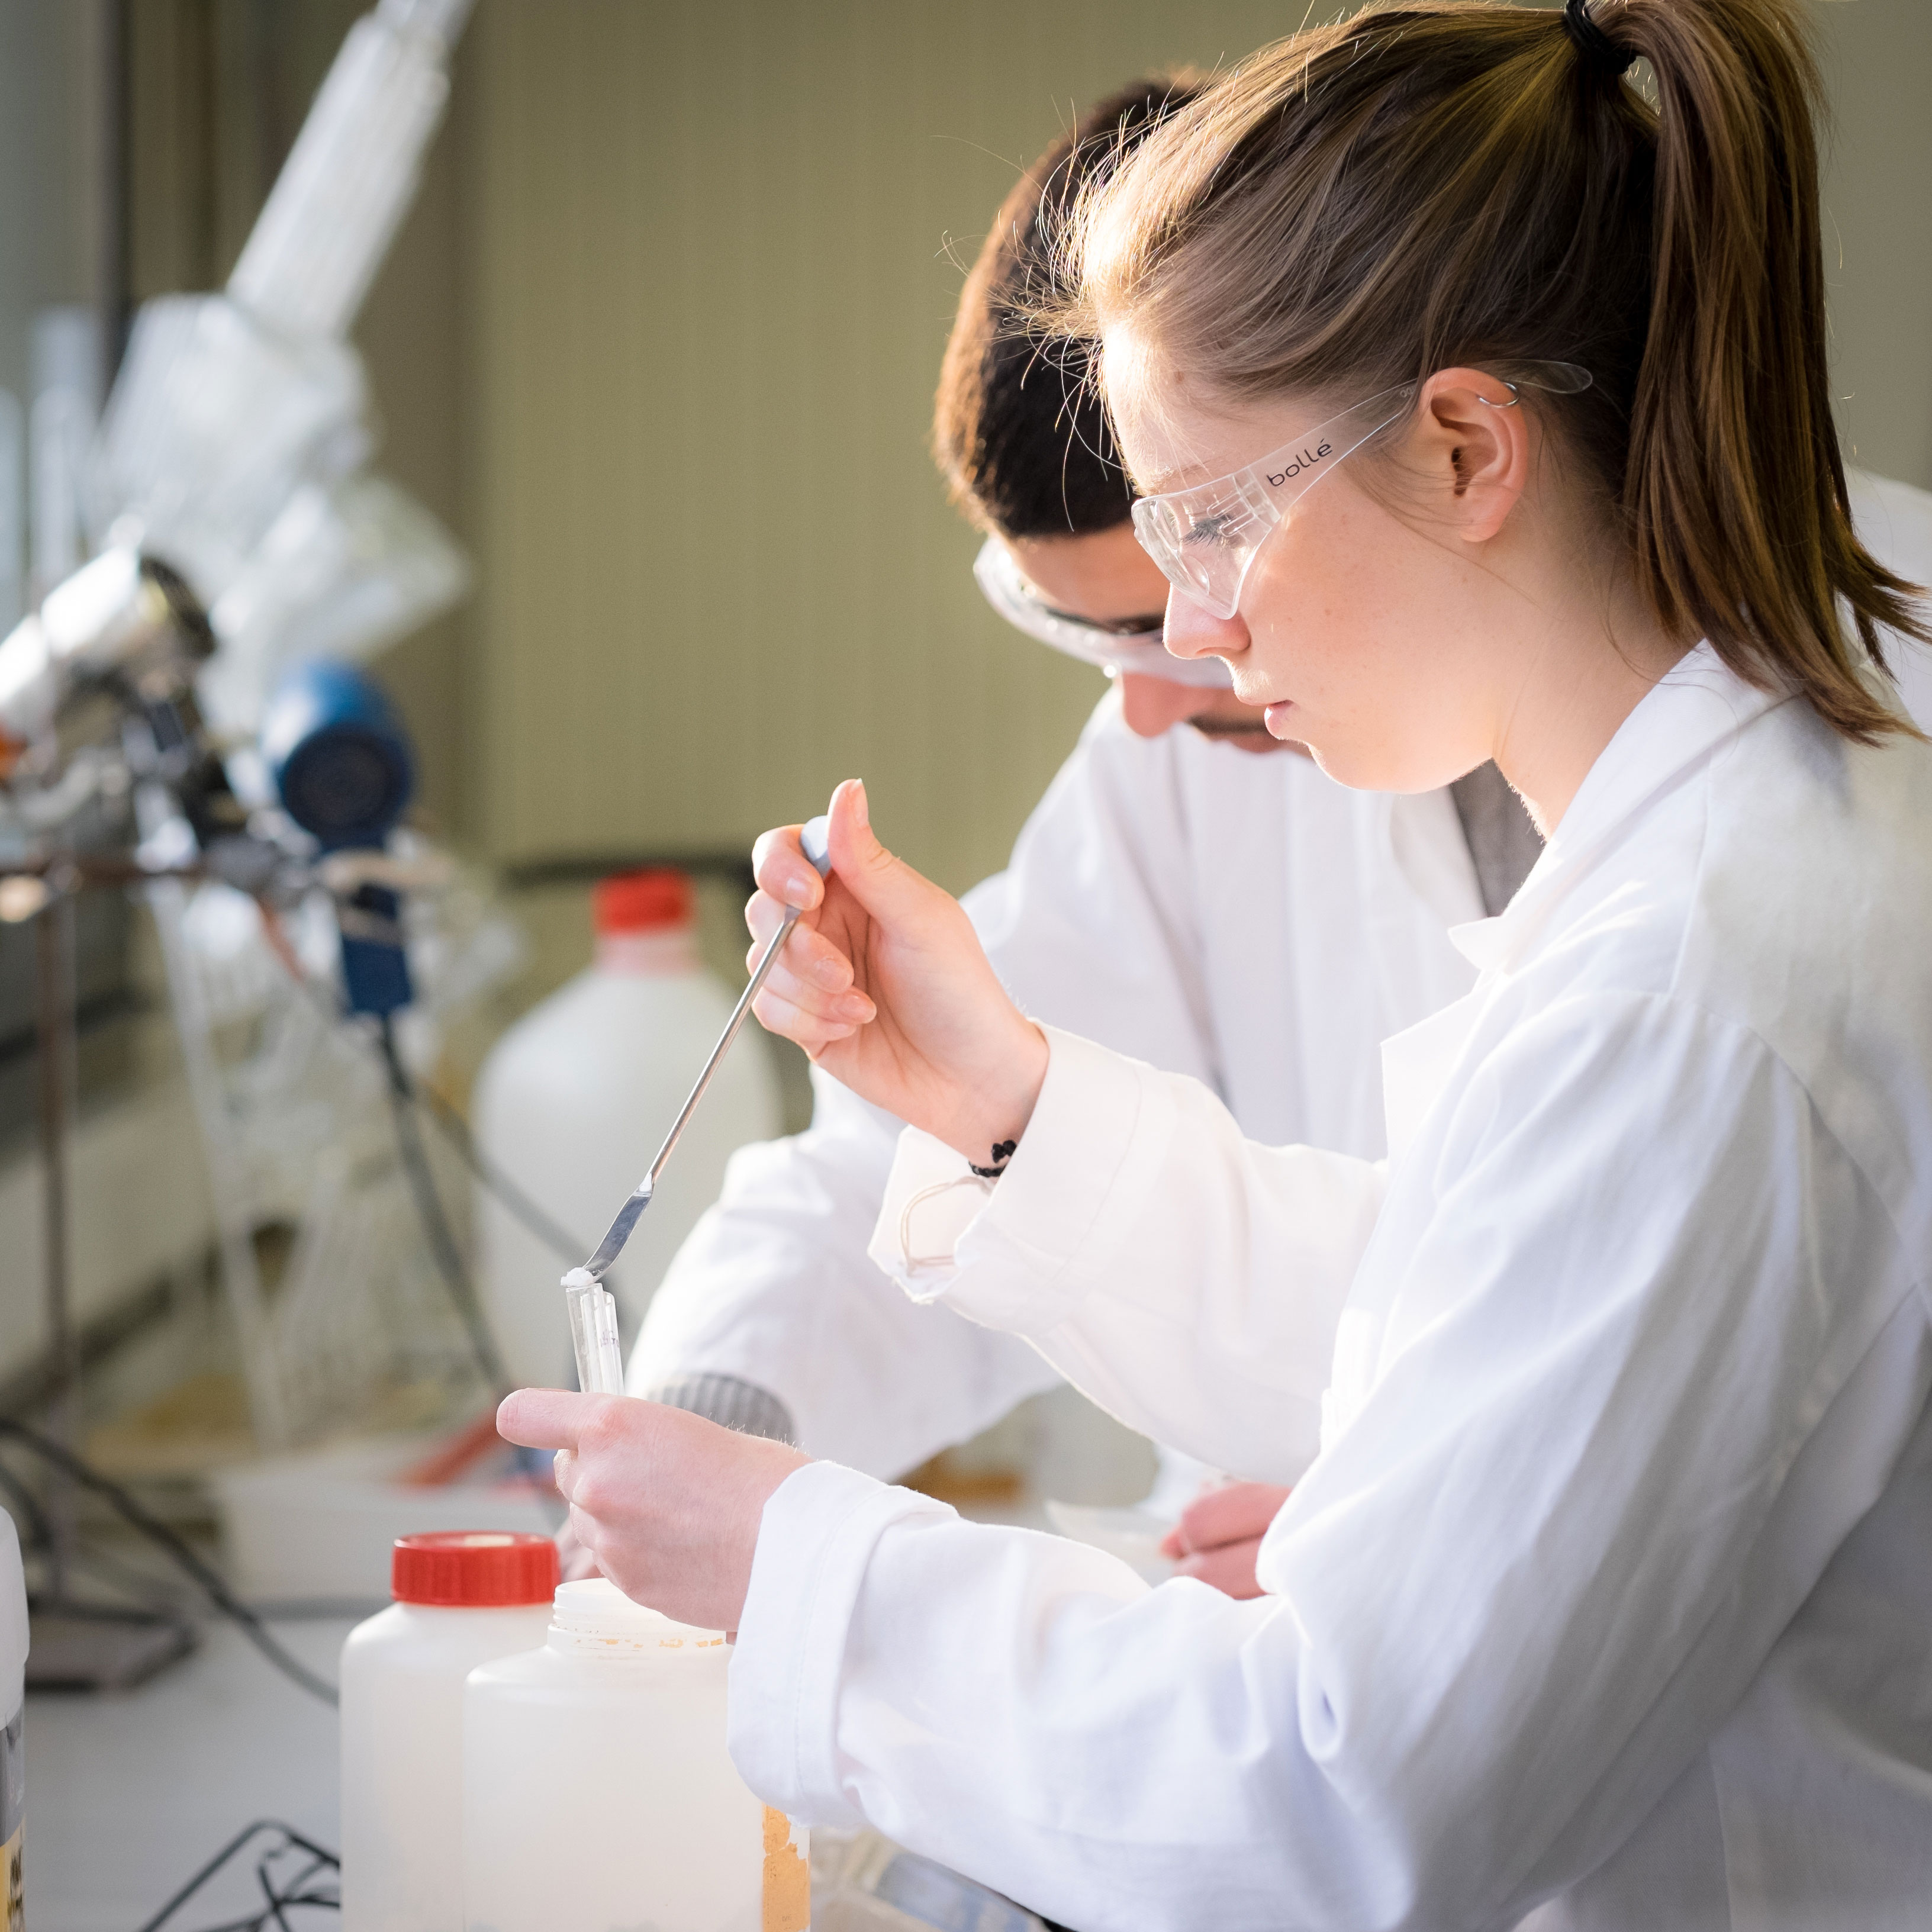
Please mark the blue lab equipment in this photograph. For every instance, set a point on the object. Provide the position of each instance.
(343, 765)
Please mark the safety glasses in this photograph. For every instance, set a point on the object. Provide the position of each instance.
(1133, 647)
(1205, 539)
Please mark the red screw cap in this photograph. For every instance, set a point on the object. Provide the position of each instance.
(647, 901)
(474, 1568)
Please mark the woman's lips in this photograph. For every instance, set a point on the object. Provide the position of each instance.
(1277, 716)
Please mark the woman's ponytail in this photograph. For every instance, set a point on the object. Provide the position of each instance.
(1735, 490)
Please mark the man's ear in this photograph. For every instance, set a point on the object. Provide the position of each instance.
(1475, 442)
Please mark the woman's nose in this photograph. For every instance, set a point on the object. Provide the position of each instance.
(1193, 632)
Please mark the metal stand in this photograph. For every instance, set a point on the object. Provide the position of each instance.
(73, 1646)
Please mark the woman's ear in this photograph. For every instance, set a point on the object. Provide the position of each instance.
(1475, 440)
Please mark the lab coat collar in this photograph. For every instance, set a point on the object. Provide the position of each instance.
(1697, 708)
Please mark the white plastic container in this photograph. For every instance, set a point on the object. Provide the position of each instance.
(462, 1598)
(598, 1792)
(324, 1522)
(13, 1722)
(575, 1099)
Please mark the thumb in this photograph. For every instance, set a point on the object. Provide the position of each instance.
(886, 887)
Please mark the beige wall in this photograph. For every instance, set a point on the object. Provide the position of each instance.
(717, 249)
(1877, 56)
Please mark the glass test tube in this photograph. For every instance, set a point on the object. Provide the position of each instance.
(593, 1334)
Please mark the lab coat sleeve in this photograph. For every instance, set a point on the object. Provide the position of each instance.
(1649, 1352)
(773, 1287)
(1185, 1280)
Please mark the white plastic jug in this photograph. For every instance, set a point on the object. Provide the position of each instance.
(463, 1597)
(13, 1722)
(598, 1792)
(575, 1099)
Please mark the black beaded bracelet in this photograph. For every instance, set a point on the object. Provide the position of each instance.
(1002, 1152)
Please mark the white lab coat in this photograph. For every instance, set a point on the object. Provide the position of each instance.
(1238, 918)
(1607, 1602)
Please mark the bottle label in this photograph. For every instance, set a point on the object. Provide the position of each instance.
(787, 1887)
(13, 1818)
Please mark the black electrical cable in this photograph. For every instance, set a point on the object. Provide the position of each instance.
(298, 1891)
(435, 1223)
(130, 1511)
(143, 1590)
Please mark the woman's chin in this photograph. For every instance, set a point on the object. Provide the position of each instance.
(1363, 767)
(1347, 764)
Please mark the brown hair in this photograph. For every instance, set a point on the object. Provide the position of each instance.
(1020, 434)
(1453, 181)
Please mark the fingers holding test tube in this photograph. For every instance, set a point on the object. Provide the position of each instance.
(668, 1503)
(885, 984)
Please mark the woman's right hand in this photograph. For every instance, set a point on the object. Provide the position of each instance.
(574, 1563)
(885, 984)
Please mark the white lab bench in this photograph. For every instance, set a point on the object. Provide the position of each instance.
(127, 1796)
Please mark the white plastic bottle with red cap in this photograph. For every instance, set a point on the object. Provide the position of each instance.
(598, 1788)
(463, 1597)
(575, 1098)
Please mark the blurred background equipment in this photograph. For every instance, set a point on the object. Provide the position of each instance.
(225, 478)
(654, 261)
(237, 431)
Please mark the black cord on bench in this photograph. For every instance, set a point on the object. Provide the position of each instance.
(125, 1506)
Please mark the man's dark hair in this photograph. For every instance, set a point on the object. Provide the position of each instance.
(1018, 431)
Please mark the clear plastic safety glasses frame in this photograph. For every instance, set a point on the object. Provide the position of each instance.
(1135, 649)
(1205, 538)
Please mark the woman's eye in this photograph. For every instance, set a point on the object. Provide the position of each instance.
(1210, 530)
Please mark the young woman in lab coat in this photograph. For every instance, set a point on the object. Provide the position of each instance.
(1607, 1601)
(1270, 964)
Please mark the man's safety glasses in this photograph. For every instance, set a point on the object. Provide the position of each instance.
(1205, 539)
(1135, 647)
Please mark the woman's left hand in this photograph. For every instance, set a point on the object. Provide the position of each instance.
(669, 1504)
(1219, 1536)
